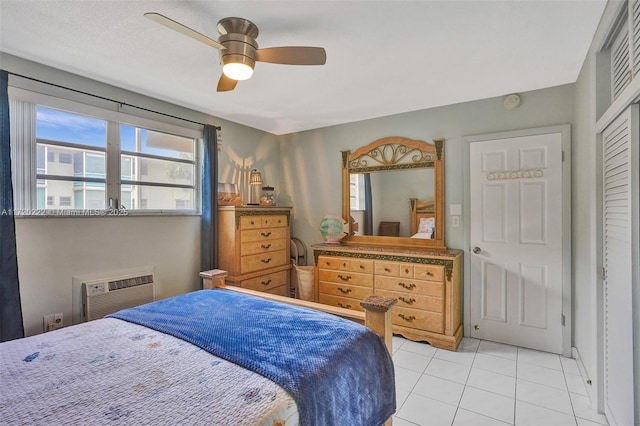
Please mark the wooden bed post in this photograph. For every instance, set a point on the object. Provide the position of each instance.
(378, 317)
(211, 279)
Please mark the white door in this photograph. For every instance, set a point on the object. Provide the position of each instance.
(516, 236)
(620, 248)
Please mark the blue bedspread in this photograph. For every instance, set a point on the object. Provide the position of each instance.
(337, 371)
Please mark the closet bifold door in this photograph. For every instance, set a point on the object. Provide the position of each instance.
(620, 266)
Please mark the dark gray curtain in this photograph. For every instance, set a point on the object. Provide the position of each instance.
(11, 326)
(368, 206)
(209, 240)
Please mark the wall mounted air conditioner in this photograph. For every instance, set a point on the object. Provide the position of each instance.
(102, 296)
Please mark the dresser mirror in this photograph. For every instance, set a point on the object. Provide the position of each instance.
(393, 193)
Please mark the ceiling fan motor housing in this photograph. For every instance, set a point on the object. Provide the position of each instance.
(239, 48)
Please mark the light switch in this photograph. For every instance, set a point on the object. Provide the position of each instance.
(455, 209)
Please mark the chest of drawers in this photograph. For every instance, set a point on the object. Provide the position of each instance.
(253, 246)
(425, 283)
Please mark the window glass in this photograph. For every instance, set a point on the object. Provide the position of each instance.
(160, 198)
(157, 170)
(70, 128)
(133, 139)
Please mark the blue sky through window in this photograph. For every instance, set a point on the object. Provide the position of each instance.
(72, 128)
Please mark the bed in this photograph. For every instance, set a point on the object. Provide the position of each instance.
(206, 357)
(423, 222)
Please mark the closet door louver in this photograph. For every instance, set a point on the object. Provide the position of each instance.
(634, 10)
(620, 63)
(620, 192)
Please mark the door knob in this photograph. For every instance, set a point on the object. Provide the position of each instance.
(477, 250)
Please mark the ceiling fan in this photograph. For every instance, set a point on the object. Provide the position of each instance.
(239, 50)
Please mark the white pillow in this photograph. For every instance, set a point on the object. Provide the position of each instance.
(426, 224)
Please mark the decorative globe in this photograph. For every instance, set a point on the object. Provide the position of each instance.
(333, 228)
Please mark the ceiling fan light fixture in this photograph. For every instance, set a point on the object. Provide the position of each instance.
(237, 66)
(237, 71)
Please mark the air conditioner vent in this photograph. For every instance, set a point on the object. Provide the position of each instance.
(130, 282)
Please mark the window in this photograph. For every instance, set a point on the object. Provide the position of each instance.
(64, 158)
(356, 191)
(73, 137)
(106, 160)
(168, 163)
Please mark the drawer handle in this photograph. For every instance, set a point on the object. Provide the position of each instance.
(267, 282)
(266, 234)
(361, 266)
(343, 278)
(409, 286)
(408, 318)
(347, 306)
(344, 264)
(253, 223)
(387, 270)
(429, 273)
(266, 246)
(406, 271)
(409, 301)
(343, 291)
(266, 260)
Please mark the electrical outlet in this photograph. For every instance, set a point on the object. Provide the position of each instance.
(455, 221)
(53, 321)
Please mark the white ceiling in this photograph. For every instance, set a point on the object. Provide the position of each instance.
(383, 57)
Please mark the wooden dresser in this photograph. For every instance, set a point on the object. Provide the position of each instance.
(426, 284)
(253, 246)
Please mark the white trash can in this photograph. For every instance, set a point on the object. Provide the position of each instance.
(305, 281)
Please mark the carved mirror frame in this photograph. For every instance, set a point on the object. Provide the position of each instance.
(396, 153)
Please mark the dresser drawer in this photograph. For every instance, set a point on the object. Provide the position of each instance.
(254, 247)
(257, 262)
(429, 272)
(416, 301)
(415, 318)
(283, 290)
(410, 285)
(343, 290)
(345, 277)
(346, 264)
(263, 234)
(274, 221)
(266, 282)
(251, 222)
(341, 302)
(391, 269)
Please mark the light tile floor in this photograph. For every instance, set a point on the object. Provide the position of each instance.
(487, 383)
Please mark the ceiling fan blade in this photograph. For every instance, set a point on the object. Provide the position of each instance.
(292, 55)
(183, 29)
(226, 84)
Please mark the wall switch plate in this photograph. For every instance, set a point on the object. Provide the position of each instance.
(455, 221)
(455, 209)
(53, 321)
